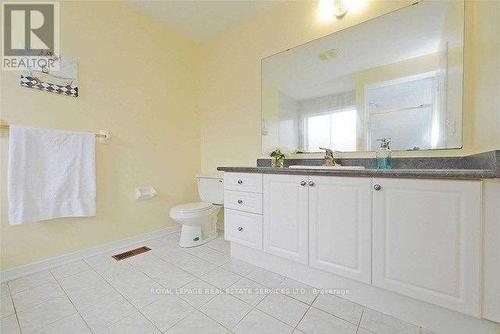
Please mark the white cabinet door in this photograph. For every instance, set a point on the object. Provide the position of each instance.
(427, 241)
(340, 226)
(285, 216)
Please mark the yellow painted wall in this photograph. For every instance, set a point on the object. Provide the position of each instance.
(231, 100)
(136, 79)
(486, 75)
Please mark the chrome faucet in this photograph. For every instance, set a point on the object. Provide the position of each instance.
(329, 157)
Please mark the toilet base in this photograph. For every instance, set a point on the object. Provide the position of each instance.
(193, 235)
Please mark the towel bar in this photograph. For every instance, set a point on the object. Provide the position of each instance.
(103, 136)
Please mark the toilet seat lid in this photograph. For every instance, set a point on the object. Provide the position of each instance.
(191, 207)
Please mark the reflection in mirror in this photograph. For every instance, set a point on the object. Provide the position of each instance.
(397, 76)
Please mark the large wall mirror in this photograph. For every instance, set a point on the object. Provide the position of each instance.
(398, 76)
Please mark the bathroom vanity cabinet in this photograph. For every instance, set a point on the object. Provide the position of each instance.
(417, 237)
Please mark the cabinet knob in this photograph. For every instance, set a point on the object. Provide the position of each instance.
(240, 201)
(240, 228)
(240, 181)
(303, 183)
(377, 187)
(311, 183)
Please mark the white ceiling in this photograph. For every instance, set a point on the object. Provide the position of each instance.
(203, 19)
(405, 34)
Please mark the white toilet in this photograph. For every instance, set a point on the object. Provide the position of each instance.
(199, 219)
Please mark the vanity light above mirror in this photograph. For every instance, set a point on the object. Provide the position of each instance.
(329, 10)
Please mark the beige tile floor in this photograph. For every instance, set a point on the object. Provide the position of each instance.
(215, 294)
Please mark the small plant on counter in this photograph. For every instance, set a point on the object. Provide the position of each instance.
(277, 158)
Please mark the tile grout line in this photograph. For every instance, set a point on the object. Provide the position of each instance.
(198, 277)
(38, 302)
(301, 318)
(67, 316)
(191, 273)
(243, 277)
(71, 275)
(336, 316)
(229, 329)
(34, 286)
(360, 319)
(14, 307)
(148, 276)
(298, 323)
(270, 315)
(199, 310)
(124, 297)
(50, 323)
(176, 266)
(239, 277)
(309, 305)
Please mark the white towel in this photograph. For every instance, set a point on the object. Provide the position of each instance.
(51, 174)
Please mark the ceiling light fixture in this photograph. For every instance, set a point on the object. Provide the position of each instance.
(339, 8)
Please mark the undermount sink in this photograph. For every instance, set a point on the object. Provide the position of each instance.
(325, 167)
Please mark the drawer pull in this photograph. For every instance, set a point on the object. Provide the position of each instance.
(303, 183)
(240, 228)
(240, 181)
(240, 201)
(311, 183)
(377, 187)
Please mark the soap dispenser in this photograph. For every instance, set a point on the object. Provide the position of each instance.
(384, 154)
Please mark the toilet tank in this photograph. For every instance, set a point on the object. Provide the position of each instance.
(211, 188)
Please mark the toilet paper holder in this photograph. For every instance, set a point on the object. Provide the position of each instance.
(142, 193)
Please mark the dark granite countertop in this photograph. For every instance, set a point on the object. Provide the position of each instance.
(407, 173)
(477, 166)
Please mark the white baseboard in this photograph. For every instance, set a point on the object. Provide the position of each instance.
(53, 262)
(435, 318)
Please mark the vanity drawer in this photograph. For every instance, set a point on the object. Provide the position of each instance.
(243, 201)
(243, 227)
(243, 182)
